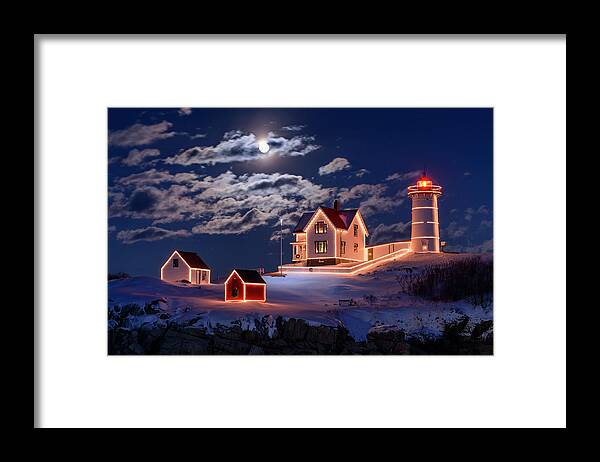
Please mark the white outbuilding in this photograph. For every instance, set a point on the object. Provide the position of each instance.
(185, 266)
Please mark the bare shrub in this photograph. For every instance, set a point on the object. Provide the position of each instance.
(468, 279)
(120, 275)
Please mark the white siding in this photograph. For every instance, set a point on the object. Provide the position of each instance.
(425, 229)
(171, 274)
(348, 236)
(311, 237)
(384, 249)
(198, 274)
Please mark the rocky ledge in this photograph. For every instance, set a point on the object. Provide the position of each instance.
(292, 337)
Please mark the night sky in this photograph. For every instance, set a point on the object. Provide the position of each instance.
(195, 180)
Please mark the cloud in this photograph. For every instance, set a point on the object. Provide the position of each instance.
(154, 177)
(467, 174)
(371, 198)
(483, 210)
(140, 134)
(404, 176)
(198, 135)
(215, 204)
(136, 157)
(361, 172)
(486, 246)
(233, 224)
(184, 111)
(469, 234)
(241, 203)
(336, 165)
(470, 212)
(390, 233)
(293, 128)
(275, 236)
(237, 146)
(455, 231)
(150, 233)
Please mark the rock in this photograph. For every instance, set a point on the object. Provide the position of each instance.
(181, 343)
(252, 336)
(227, 346)
(321, 334)
(455, 328)
(256, 350)
(195, 331)
(137, 349)
(233, 333)
(150, 339)
(481, 328)
(387, 340)
(401, 348)
(294, 329)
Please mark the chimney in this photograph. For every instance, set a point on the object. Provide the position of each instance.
(336, 205)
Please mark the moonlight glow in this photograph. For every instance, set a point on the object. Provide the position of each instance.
(263, 146)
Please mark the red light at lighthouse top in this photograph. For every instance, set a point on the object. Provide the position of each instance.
(424, 184)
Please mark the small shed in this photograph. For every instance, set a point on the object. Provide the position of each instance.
(245, 285)
(185, 266)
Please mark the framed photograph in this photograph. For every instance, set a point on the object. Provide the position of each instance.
(352, 230)
(300, 231)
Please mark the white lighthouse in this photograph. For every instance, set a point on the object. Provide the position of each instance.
(425, 228)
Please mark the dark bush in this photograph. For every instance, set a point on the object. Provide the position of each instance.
(119, 275)
(370, 299)
(468, 279)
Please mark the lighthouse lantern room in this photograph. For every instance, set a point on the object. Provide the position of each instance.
(425, 227)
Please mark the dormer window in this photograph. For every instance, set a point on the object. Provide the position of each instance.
(355, 230)
(320, 227)
(175, 262)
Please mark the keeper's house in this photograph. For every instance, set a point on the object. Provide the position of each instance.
(245, 285)
(329, 236)
(185, 266)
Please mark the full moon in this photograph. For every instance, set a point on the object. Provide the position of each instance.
(263, 146)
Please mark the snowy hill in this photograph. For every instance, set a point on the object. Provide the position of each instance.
(377, 303)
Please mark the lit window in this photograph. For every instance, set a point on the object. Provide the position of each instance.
(320, 227)
(175, 262)
(355, 230)
(320, 246)
(343, 248)
(355, 247)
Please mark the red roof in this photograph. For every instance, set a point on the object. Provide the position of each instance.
(334, 216)
(341, 219)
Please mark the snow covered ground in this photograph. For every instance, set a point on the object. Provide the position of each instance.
(312, 297)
